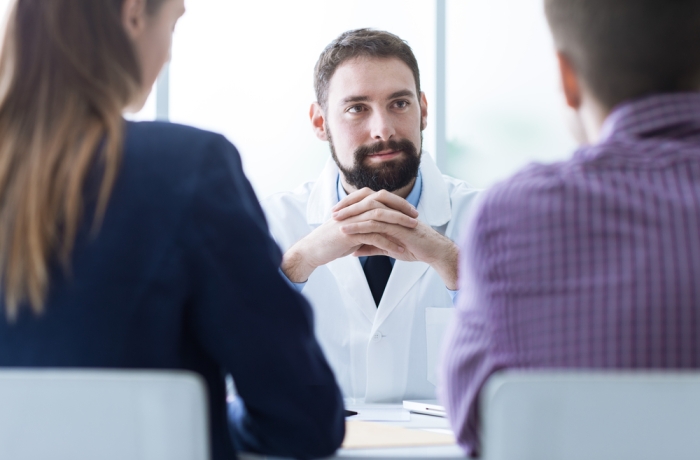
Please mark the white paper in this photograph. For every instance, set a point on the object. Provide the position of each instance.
(438, 430)
(381, 415)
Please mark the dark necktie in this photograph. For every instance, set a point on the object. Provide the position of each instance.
(377, 270)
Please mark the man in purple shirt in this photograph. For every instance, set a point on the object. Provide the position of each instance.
(593, 262)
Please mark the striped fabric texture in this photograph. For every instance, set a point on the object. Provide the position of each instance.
(588, 263)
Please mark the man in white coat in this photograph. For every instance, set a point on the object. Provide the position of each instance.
(371, 243)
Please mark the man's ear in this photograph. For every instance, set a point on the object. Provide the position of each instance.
(134, 17)
(318, 121)
(423, 111)
(569, 81)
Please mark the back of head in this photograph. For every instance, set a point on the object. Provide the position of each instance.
(360, 43)
(624, 49)
(67, 71)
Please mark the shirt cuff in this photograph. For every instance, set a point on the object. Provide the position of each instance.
(297, 286)
(453, 294)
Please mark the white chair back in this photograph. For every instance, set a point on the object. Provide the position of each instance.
(569, 415)
(105, 414)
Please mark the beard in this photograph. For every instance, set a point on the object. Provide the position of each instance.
(389, 175)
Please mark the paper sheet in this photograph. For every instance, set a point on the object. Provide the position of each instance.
(368, 435)
(381, 415)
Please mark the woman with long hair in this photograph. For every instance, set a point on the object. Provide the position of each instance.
(142, 245)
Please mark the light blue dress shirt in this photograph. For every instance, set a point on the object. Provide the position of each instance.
(413, 198)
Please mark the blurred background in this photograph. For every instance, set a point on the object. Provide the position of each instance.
(245, 69)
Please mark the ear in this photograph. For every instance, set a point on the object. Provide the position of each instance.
(423, 111)
(134, 17)
(318, 121)
(570, 81)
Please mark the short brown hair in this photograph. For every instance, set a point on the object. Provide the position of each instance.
(624, 49)
(360, 42)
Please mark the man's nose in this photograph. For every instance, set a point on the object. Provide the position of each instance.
(382, 128)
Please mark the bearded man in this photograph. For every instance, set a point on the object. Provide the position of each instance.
(371, 243)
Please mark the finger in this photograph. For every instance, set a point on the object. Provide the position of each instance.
(352, 250)
(355, 209)
(367, 250)
(371, 201)
(379, 200)
(387, 216)
(380, 242)
(373, 226)
(354, 197)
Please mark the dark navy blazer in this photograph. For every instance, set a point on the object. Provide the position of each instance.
(183, 274)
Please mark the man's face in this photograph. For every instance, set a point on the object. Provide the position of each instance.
(373, 122)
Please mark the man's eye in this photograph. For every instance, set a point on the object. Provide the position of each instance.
(401, 104)
(355, 109)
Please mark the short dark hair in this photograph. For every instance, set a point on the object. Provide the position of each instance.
(356, 43)
(624, 49)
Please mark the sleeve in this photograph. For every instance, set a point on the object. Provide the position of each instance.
(296, 286)
(253, 323)
(467, 359)
(453, 294)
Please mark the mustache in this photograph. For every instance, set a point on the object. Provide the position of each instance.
(366, 150)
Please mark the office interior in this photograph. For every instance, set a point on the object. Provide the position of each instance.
(488, 69)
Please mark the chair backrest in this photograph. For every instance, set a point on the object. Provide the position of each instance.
(543, 415)
(77, 414)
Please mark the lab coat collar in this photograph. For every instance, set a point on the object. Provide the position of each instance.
(323, 195)
(434, 205)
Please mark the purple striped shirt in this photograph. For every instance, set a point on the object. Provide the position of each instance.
(590, 263)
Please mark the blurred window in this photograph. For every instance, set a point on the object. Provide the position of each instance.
(245, 69)
(504, 104)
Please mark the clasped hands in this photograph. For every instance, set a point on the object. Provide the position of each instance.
(368, 223)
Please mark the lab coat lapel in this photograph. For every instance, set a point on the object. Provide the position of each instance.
(403, 276)
(352, 282)
(323, 196)
(434, 206)
(434, 209)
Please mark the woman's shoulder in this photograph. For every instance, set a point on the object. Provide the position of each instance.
(174, 151)
(164, 158)
(169, 140)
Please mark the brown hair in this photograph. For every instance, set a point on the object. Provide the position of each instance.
(355, 43)
(67, 71)
(624, 49)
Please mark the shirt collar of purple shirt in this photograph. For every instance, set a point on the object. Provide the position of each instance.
(651, 114)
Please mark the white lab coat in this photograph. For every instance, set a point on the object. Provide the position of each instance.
(385, 353)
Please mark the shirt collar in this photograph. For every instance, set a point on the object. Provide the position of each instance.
(413, 198)
(653, 116)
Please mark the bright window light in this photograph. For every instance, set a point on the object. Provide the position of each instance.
(245, 69)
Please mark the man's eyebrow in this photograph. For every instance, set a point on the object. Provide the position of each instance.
(350, 99)
(394, 95)
(402, 93)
